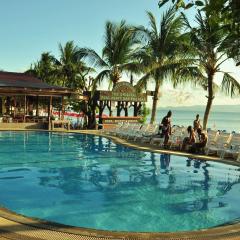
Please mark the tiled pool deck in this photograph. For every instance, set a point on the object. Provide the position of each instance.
(17, 227)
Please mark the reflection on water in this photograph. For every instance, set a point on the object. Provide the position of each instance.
(89, 181)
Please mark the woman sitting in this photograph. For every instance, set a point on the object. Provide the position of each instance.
(189, 140)
(203, 139)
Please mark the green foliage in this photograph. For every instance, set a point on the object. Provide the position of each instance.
(171, 49)
(117, 53)
(45, 69)
(230, 86)
(199, 3)
(78, 106)
(228, 12)
(144, 112)
(207, 41)
(68, 71)
(162, 51)
(162, 2)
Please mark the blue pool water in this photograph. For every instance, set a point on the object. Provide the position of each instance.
(89, 181)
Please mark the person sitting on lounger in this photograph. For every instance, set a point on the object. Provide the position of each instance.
(189, 140)
(196, 123)
(203, 138)
(166, 127)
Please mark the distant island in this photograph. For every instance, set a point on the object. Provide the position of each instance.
(195, 108)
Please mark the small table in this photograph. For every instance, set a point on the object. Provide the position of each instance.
(62, 123)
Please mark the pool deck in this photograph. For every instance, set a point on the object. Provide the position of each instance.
(17, 227)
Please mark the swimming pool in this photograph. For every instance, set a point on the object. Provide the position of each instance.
(89, 181)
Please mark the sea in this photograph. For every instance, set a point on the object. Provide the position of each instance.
(222, 117)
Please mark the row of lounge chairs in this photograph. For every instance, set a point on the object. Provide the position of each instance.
(221, 144)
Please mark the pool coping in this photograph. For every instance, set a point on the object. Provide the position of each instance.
(33, 228)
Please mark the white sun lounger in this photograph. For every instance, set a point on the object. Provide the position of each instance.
(222, 142)
(233, 149)
(142, 132)
(176, 139)
(150, 133)
(137, 132)
(121, 129)
(132, 128)
(112, 130)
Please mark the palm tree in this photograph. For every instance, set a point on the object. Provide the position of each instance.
(206, 41)
(116, 54)
(71, 68)
(160, 57)
(45, 68)
(69, 71)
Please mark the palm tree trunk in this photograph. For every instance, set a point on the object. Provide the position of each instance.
(210, 98)
(155, 102)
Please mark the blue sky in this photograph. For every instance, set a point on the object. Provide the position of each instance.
(30, 27)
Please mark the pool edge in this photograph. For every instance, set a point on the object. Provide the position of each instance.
(33, 228)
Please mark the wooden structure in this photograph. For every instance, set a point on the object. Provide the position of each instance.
(110, 122)
(122, 97)
(26, 99)
(60, 125)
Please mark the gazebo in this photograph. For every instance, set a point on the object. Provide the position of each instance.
(27, 102)
(124, 96)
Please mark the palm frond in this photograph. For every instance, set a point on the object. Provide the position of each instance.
(103, 74)
(142, 34)
(92, 57)
(142, 82)
(189, 74)
(132, 67)
(153, 24)
(230, 85)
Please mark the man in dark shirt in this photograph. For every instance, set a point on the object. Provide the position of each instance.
(166, 127)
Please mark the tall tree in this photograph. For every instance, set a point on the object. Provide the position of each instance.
(229, 16)
(207, 42)
(68, 71)
(71, 68)
(45, 69)
(160, 55)
(116, 54)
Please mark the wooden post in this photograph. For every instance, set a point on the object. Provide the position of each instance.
(100, 121)
(126, 109)
(63, 108)
(110, 109)
(15, 106)
(119, 109)
(37, 107)
(135, 111)
(25, 108)
(49, 112)
(1, 105)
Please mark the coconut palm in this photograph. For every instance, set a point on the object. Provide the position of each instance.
(71, 68)
(116, 54)
(206, 40)
(45, 69)
(160, 56)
